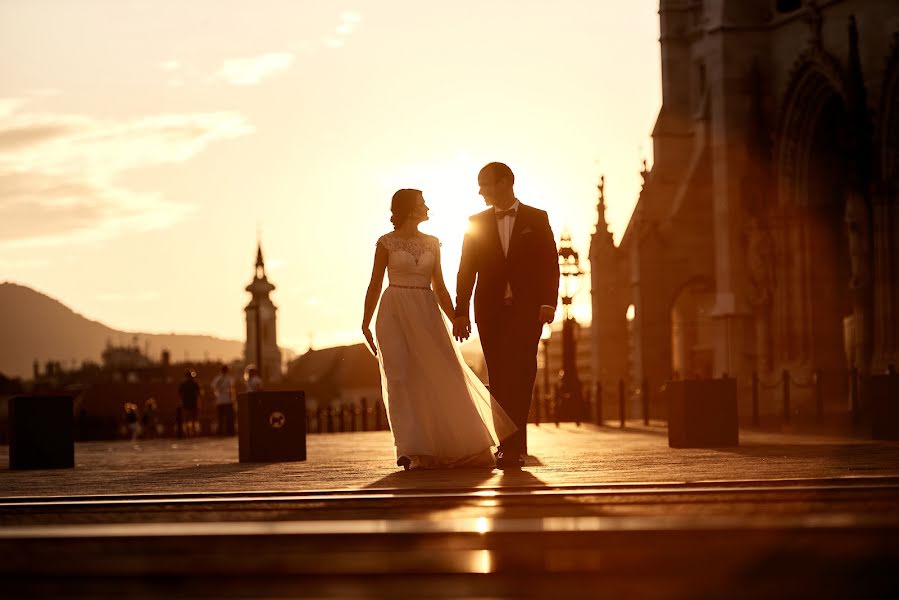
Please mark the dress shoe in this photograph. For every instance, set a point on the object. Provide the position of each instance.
(506, 461)
(405, 462)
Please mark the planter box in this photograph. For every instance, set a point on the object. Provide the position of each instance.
(883, 402)
(271, 426)
(702, 413)
(41, 432)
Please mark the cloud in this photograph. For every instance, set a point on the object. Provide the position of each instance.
(58, 173)
(252, 70)
(170, 65)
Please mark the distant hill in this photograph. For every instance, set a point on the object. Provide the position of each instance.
(35, 326)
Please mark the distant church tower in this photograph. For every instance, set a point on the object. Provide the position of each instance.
(262, 350)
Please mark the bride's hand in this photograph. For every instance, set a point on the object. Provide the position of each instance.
(370, 339)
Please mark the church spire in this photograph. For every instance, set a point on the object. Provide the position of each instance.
(602, 237)
(260, 264)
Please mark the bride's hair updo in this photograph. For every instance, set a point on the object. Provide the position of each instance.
(402, 204)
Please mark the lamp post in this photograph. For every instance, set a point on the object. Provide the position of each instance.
(547, 394)
(571, 401)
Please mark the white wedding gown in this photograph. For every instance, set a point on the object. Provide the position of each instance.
(440, 413)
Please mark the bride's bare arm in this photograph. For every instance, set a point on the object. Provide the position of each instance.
(374, 291)
(443, 297)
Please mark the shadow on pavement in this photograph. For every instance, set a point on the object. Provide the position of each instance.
(863, 452)
(189, 475)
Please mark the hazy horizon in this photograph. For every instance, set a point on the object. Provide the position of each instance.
(142, 144)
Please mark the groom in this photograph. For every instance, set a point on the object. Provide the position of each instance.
(510, 249)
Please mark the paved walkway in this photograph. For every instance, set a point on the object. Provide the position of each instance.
(567, 455)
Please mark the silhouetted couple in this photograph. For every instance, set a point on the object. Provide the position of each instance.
(440, 413)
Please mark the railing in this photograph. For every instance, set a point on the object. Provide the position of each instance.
(347, 418)
(371, 415)
(782, 390)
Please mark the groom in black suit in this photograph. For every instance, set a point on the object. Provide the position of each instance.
(510, 249)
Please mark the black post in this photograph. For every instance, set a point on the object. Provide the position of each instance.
(179, 423)
(755, 399)
(322, 420)
(644, 392)
(819, 397)
(785, 377)
(376, 408)
(854, 394)
(599, 403)
(364, 404)
(621, 415)
(555, 404)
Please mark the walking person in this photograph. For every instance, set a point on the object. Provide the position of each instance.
(509, 249)
(252, 380)
(189, 391)
(223, 389)
(440, 413)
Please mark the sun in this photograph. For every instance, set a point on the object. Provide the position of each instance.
(449, 187)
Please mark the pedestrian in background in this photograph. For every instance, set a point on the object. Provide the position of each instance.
(132, 420)
(223, 389)
(252, 379)
(189, 391)
(149, 419)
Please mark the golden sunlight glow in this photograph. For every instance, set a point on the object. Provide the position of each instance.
(482, 525)
(482, 562)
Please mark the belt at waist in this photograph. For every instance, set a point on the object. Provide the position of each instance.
(410, 287)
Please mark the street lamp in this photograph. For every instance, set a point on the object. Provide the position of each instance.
(571, 400)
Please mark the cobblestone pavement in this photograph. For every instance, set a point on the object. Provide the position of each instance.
(597, 512)
(567, 455)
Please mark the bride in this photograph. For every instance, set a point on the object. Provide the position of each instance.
(440, 413)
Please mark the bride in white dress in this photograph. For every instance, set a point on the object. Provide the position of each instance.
(440, 413)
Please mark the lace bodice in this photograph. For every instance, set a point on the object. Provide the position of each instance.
(410, 261)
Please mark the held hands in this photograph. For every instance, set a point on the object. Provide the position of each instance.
(461, 328)
(547, 314)
(366, 331)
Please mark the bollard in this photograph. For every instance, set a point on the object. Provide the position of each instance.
(854, 394)
(599, 403)
(621, 414)
(179, 423)
(377, 410)
(755, 399)
(364, 403)
(819, 397)
(586, 403)
(322, 423)
(785, 377)
(644, 392)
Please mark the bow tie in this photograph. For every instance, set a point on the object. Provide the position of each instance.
(506, 213)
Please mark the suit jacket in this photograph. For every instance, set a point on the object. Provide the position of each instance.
(531, 267)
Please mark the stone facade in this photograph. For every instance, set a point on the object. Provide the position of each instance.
(765, 237)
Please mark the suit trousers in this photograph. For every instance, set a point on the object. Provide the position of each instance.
(510, 337)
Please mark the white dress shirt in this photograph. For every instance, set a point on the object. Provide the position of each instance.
(505, 226)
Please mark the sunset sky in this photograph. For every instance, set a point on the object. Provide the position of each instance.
(143, 143)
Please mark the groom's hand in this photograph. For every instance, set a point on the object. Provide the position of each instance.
(461, 328)
(547, 314)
